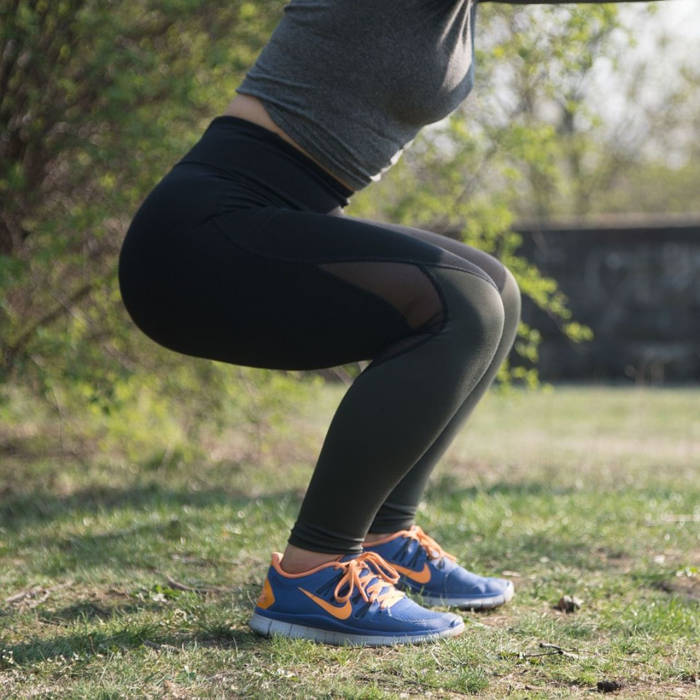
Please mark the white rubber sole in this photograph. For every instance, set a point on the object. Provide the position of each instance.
(469, 603)
(269, 627)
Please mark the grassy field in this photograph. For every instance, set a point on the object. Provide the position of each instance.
(134, 576)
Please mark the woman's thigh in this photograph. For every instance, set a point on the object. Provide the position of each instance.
(287, 289)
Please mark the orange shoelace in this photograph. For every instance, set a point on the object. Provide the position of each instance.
(434, 550)
(360, 571)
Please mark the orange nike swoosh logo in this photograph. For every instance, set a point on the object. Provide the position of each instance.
(342, 613)
(417, 576)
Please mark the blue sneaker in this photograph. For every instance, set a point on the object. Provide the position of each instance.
(426, 569)
(349, 601)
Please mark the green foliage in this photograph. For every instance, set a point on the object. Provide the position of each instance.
(98, 99)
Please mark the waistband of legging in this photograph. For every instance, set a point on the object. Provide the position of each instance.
(247, 150)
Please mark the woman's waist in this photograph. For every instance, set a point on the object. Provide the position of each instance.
(252, 109)
(262, 167)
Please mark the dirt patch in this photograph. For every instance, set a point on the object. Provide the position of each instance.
(687, 587)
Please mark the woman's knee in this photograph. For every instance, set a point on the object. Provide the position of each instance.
(475, 308)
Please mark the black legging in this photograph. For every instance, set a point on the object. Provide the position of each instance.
(242, 254)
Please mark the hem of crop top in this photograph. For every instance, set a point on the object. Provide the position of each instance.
(280, 119)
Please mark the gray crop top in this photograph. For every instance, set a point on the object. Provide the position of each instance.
(353, 81)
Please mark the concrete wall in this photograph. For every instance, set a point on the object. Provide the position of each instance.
(635, 284)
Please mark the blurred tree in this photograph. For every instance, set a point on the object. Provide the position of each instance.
(660, 163)
(97, 99)
(607, 119)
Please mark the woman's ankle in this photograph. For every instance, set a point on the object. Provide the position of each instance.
(296, 560)
(372, 537)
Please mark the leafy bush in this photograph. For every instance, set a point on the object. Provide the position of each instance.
(100, 98)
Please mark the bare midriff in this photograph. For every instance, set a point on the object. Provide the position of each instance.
(252, 109)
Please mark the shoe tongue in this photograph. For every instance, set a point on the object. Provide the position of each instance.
(416, 551)
(419, 547)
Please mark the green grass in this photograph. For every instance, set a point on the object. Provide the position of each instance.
(592, 492)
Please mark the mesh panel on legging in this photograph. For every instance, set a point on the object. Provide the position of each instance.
(406, 287)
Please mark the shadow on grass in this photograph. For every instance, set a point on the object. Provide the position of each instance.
(450, 488)
(105, 608)
(20, 512)
(127, 547)
(88, 611)
(90, 644)
(551, 538)
(41, 507)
